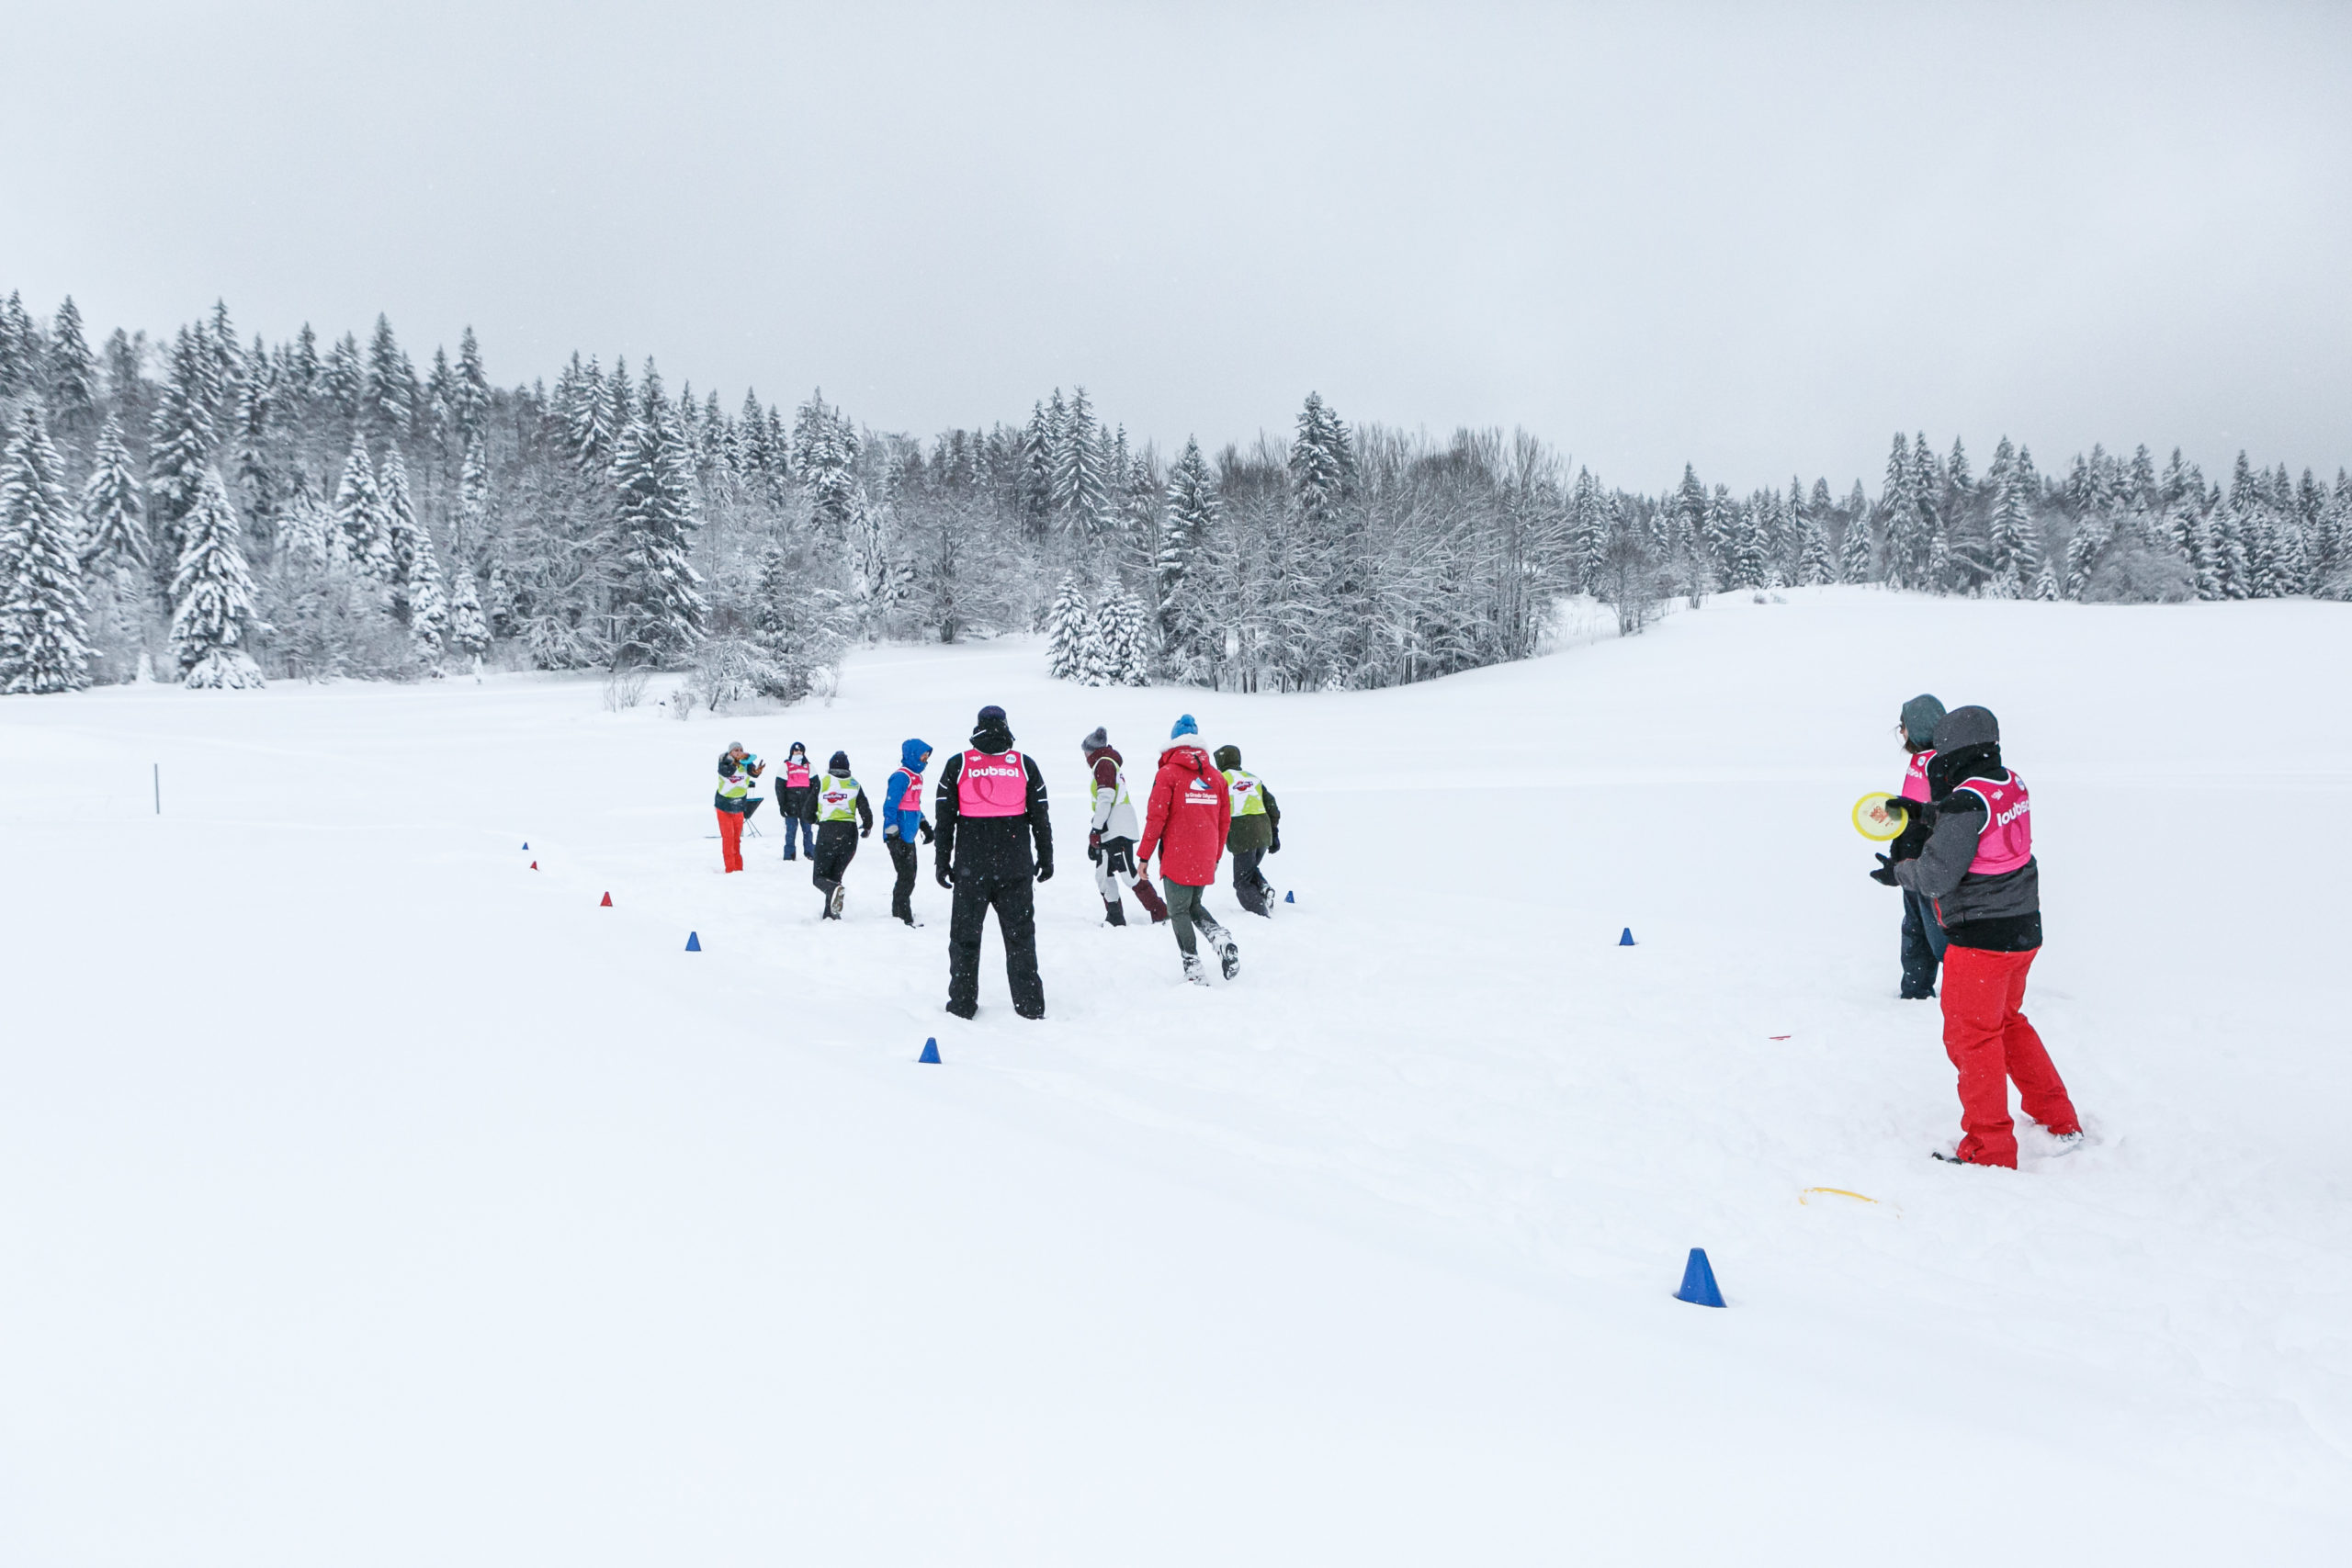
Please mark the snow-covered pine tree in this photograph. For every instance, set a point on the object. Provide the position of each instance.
(73, 369)
(825, 452)
(20, 352)
(658, 598)
(213, 592)
(2045, 583)
(1718, 543)
(1097, 657)
(359, 509)
(1066, 633)
(468, 628)
(1854, 560)
(179, 445)
(469, 412)
(1906, 545)
(388, 395)
(1079, 498)
(407, 544)
(428, 620)
(1130, 663)
(1815, 565)
(1751, 546)
(589, 417)
(2092, 531)
(1322, 462)
(44, 632)
(114, 541)
(2014, 549)
(472, 523)
(251, 408)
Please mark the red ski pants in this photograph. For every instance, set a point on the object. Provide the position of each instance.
(731, 838)
(1993, 1046)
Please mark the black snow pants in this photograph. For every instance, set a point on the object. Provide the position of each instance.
(902, 892)
(1014, 899)
(1923, 947)
(836, 847)
(1250, 884)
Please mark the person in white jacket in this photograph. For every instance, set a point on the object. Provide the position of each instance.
(1111, 834)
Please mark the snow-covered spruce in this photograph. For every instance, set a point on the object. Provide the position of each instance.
(43, 635)
(214, 595)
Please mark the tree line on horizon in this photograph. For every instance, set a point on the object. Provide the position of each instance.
(220, 511)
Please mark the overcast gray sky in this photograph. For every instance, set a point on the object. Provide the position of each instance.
(1759, 237)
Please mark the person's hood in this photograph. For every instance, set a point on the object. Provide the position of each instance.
(1102, 752)
(1968, 745)
(1920, 715)
(1228, 756)
(1184, 754)
(797, 750)
(913, 754)
(839, 766)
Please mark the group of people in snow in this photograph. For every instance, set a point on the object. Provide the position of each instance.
(1972, 909)
(994, 840)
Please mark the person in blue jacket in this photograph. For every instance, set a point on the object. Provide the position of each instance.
(903, 821)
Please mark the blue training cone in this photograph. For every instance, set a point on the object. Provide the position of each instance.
(1627, 940)
(1698, 1282)
(526, 843)
(1290, 898)
(693, 942)
(930, 1052)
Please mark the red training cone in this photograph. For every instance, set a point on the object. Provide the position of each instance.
(534, 865)
(607, 903)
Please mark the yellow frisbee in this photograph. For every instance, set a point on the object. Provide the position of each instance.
(1873, 822)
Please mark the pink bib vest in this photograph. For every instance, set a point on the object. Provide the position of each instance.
(1915, 778)
(796, 776)
(991, 786)
(2006, 842)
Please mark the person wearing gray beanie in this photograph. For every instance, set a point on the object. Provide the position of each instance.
(1923, 934)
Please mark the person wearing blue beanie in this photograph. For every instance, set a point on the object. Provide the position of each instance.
(1184, 726)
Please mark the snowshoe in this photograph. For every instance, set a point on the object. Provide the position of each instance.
(1193, 972)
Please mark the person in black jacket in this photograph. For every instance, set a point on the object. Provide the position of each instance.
(1978, 869)
(841, 815)
(988, 812)
(793, 792)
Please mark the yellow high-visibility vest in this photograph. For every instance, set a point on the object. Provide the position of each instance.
(837, 801)
(1248, 799)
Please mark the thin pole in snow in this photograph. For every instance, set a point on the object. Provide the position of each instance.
(159, 789)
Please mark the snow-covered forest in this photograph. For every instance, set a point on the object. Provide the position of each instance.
(219, 511)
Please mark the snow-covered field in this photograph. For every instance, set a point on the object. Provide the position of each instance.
(367, 1198)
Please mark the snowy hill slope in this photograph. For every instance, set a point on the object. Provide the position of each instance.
(366, 1196)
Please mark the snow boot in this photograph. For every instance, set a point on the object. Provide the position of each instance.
(911, 922)
(1193, 972)
(1113, 913)
(966, 1011)
(834, 903)
(1228, 956)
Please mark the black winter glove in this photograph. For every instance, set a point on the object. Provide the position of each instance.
(1885, 873)
(1276, 847)
(866, 832)
(1044, 870)
(946, 878)
(927, 834)
(1094, 851)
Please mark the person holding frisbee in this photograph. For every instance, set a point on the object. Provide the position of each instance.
(1978, 875)
(1923, 935)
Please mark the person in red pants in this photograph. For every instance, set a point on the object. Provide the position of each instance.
(735, 803)
(1978, 869)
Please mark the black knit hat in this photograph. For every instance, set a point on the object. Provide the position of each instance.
(839, 765)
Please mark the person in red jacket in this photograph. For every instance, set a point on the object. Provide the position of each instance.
(1191, 812)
